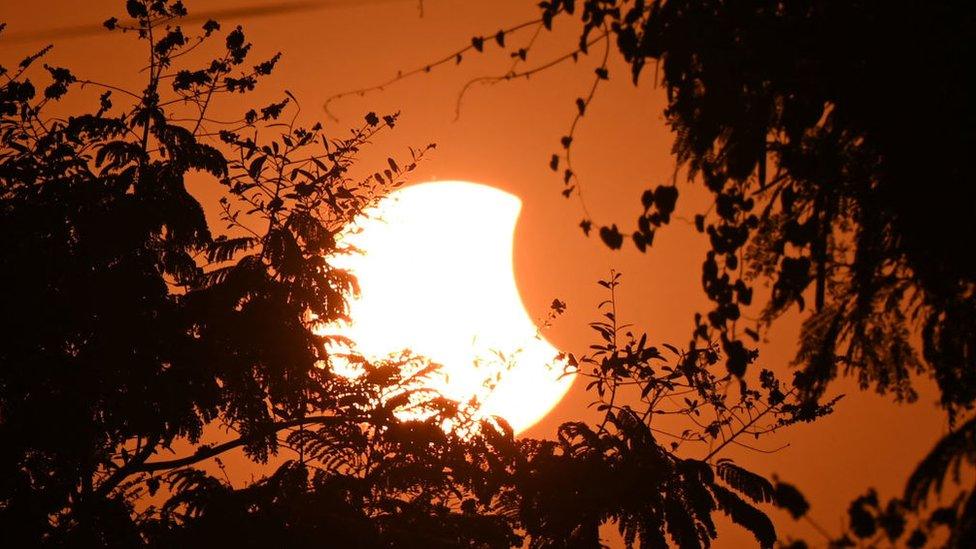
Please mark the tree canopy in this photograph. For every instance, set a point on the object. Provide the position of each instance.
(832, 138)
(136, 329)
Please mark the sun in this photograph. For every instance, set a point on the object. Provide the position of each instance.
(436, 277)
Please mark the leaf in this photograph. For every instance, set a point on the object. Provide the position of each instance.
(136, 9)
(254, 170)
(611, 237)
(788, 497)
(210, 26)
(745, 515)
(586, 225)
(861, 518)
(639, 241)
(947, 455)
(647, 199)
(917, 540)
(226, 249)
(756, 487)
(680, 523)
(666, 197)
(892, 520)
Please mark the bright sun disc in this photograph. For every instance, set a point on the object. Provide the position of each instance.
(437, 278)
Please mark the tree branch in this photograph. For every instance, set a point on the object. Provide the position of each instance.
(452, 57)
(207, 452)
(742, 430)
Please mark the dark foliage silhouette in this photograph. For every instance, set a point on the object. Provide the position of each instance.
(831, 136)
(619, 472)
(142, 345)
(129, 326)
(829, 181)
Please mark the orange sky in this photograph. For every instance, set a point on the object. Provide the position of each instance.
(503, 138)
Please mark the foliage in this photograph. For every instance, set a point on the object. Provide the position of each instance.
(130, 327)
(898, 523)
(786, 113)
(811, 174)
(831, 136)
(819, 155)
(134, 329)
(618, 472)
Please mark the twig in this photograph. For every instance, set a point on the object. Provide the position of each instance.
(453, 57)
(743, 429)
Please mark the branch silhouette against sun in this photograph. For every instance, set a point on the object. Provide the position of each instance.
(176, 330)
(145, 346)
(651, 490)
(786, 114)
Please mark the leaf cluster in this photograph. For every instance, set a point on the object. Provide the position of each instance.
(619, 472)
(135, 327)
(132, 324)
(793, 135)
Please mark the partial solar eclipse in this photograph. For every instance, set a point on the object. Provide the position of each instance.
(437, 278)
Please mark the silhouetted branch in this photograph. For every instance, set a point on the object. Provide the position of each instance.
(129, 468)
(205, 452)
(744, 429)
(570, 174)
(512, 75)
(454, 56)
(243, 12)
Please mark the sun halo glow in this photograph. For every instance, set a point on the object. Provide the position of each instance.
(436, 277)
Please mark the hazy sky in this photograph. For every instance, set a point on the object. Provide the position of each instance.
(504, 137)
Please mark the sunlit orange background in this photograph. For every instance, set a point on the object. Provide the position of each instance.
(503, 137)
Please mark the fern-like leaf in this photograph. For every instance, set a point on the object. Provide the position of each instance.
(947, 454)
(684, 530)
(215, 277)
(964, 531)
(744, 514)
(225, 249)
(757, 488)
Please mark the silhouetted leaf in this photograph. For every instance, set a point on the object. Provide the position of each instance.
(788, 497)
(745, 515)
(752, 485)
(586, 225)
(611, 237)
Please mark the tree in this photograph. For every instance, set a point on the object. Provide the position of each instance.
(800, 119)
(619, 472)
(832, 138)
(132, 325)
